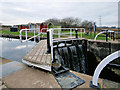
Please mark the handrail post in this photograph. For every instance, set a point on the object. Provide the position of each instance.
(76, 33)
(34, 34)
(59, 33)
(71, 33)
(106, 35)
(81, 33)
(20, 35)
(94, 29)
(51, 42)
(48, 41)
(26, 33)
(101, 65)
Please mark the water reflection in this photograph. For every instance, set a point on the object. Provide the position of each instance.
(14, 49)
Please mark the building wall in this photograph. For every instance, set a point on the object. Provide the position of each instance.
(4, 27)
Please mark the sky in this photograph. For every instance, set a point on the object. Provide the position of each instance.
(14, 12)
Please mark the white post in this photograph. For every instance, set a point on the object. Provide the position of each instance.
(59, 34)
(20, 35)
(34, 34)
(26, 33)
(51, 42)
(102, 64)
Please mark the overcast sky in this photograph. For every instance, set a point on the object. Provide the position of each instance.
(21, 12)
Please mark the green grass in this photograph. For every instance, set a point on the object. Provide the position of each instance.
(7, 32)
(89, 36)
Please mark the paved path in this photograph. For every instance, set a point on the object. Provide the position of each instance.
(10, 68)
(29, 77)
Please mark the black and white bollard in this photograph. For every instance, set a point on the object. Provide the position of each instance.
(76, 33)
(48, 43)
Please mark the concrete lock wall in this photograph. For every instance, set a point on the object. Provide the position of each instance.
(102, 49)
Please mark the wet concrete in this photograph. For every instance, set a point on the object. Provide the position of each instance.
(110, 84)
(36, 78)
(29, 77)
(10, 68)
(4, 61)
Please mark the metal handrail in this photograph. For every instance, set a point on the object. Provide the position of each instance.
(41, 32)
(70, 29)
(50, 35)
(33, 29)
(26, 30)
(102, 64)
(102, 32)
(59, 34)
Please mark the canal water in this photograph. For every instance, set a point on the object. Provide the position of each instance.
(13, 49)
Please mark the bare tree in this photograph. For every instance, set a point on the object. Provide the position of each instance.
(86, 24)
(55, 21)
(70, 22)
(77, 22)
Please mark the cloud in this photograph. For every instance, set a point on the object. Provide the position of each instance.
(59, 0)
(21, 9)
(38, 11)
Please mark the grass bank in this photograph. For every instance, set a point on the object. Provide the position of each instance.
(88, 36)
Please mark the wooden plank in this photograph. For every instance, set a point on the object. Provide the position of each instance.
(38, 51)
(34, 58)
(32, 52)
(39, 58)
(42, 51)
(48, 60)
(38, 54)
(29, 55)
(43, 59)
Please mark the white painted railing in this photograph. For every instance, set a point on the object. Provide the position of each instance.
(51, 33)
(102, 64)
(34, 31)
(70, 33)
(109, 31)
(99, 34)
(59, 33)
(26, 34)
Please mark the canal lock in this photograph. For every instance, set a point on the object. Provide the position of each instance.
(70, 54)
